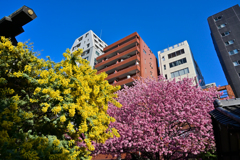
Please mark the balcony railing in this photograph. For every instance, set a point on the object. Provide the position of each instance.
(121, 62)
(125, 80)
(136, 40)
(124, 70)
(118, 56)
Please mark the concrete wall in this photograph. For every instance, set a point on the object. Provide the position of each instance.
(95, 44)
(164, 60)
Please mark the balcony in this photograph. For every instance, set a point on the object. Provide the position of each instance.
(126, 81)
(130, 52)
(121, 63)
(120, 48)
(124, 72)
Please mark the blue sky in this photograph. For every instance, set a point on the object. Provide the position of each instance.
(159, 23)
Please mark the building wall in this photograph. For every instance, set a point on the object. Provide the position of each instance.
(231, 18)
(90, 43)
(227, 90)
(166, 70)
(148, 61)
(125, 60)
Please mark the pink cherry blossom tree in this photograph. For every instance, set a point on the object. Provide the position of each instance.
(161, 117)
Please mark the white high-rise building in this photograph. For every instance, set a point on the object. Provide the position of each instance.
(92, 46)
(178, 62)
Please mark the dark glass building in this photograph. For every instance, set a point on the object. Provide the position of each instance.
(225, 32)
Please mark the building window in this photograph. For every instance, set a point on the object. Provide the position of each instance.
(235, 51)
(80, 39)
(236, 63)
(145, 70)
(145, 61)
(225, 34)
(150, 59)
(151, 65)
(217, 18)
(100, 45)
(79, 45)
(178, 62)
(177, 53)
(88, 51)
(163, 58)
(164, 66)
(229, 42)
(179, 72)
(96, 46)
(239, 74)
(150, 72)
(88, 45)
(86, 35)
(97, 53)
(99, 40)
(86, 58)
(95, 41)
(166, 76)
(144, 51)
(95, 36)
(95, 61)
(221, 26)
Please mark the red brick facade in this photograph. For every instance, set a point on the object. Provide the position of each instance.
(127, 59)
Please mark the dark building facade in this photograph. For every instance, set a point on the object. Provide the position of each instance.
(225, 32)
(226, 127)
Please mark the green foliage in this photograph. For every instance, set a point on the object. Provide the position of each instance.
(51, 110)
(210, 155)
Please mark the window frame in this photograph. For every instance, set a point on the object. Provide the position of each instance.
(176, 53)
(179, 72)
(217, 18)
(97, 53)
(228, 42)
(233, 52)
(237, 63)
(220, 26)
(79, 39)
(225, 33)
(178, 62)
(144, 51)
(163, 58)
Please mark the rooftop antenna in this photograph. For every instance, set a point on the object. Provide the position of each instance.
(101, 34)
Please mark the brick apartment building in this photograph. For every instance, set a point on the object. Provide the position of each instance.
(227, 90)
(127, 59)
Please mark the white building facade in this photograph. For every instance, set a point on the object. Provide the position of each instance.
(92, 46)
(178, 62)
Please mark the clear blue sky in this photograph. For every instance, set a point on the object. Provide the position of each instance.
(159, 23)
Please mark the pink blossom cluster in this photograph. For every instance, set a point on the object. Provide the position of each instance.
(165, 117)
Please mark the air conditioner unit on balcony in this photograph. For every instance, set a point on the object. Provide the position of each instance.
(137, 63)
(121, 60)
(128, 76)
